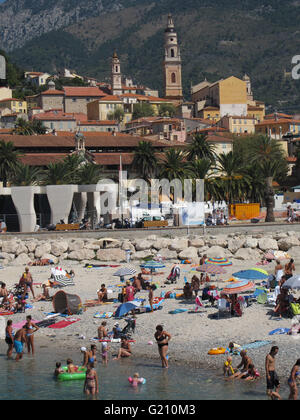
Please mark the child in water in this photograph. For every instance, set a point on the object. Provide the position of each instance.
(228, 370)
(104, 352)
(136, 380)
(58, 369)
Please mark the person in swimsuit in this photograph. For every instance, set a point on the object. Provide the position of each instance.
(289, 268)
(130, 290)
(243, 367)
(150, 296)
(27, 281)
(271, 375)
(251, 374)
(30, 328)
(91, 384)
(104, 352)
(102, 330)
(58, 369)
(9, 338)
(20, 339)
(89, 356)
(125, 349)
(278, 271)
(71, 367)
(102, 294)
(162, 338)
(292, 381)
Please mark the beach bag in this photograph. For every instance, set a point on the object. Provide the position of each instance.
(295, 307)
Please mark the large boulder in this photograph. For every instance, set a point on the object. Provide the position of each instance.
(196, 242)
(189, 253)
(167, 254)
(127, 245)
(143, 244)
(6, 256)
(250, 242)
(58, 248)
(178, 245)
(115, 254)
(140, 255)
(234, 244)
(22, 259)
(161, 243)
(294, 252)
(51, 257)
(9, 246)
(21, 249)
(285, 244)
(42, 249)
(218, 252)
(82, 254)
(247, 254)
(76, 245)
(267, 243)
(31, 245)
(92, 245)
(220, 240)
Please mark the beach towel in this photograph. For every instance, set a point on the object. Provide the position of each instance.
(280, 331)
(157, 302)
(63, 324)
(178, 311)
(19, 325)
(255, 345)
(103, 315)
(45, 323)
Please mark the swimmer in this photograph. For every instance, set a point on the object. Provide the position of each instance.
(58, 369)
(31, 328)
(136, 380)
(91, 385)
(9, 338)
(228, 370)
(71, 367)
(104, 352)
(20, 339)
(292, 381)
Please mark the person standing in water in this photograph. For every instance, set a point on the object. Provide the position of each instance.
(162, 338)
(91, 384)
(20, 339)
(295, 372)
(9, 338)
(30, 328)
(271, 375)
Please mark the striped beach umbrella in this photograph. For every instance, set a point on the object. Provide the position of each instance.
(153, 265)
(238, 287)
(211, 269)
(125, 271)
(219, 261)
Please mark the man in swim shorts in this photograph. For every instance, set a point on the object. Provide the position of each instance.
(20, 339)
(271, 375)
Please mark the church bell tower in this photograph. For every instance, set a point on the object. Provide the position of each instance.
(116, 78)
(172, 65)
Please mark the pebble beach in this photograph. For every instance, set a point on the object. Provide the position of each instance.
(193, 334)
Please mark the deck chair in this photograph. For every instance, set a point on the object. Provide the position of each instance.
(262, 298)
(223, 307)
(258, 291)
(272, 297)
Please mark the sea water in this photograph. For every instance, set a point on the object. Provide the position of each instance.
(32, 379)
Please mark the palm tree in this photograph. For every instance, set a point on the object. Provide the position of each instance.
(174, 166)
(232, 181)
(268, 156)
(23, 128)
(56, 174)
(73, 163)
(25, 175)
(201, 169)
(89, 174)
(200, 148)
(145, 161)
(8, 160)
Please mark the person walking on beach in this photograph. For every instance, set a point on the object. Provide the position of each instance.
(271, 375)
(9, 338)
(30, 328)
(292, 381)
(27, 281)
(162, 338)
(20, 339)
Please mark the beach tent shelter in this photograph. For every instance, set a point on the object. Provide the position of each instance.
(66, 303)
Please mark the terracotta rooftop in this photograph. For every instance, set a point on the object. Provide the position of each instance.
(83, 91)
(52, 92)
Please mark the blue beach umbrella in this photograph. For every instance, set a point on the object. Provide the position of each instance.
(251, 274)
(153, 265)
(125, 308)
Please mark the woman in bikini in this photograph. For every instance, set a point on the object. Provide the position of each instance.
(292, 381)
(162, 338)
(91, 384)
(30, 328)
(89, 356)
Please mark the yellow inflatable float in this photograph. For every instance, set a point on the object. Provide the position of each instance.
(219, 350)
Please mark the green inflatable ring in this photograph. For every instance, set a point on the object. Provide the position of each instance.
(78, 376)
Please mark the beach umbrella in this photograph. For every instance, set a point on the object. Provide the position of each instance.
(211, 269)
(219, 261)
(124, 308)
(153, 265)
(125, 271)
(292, 282)
(252, 274)
(238, 287)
